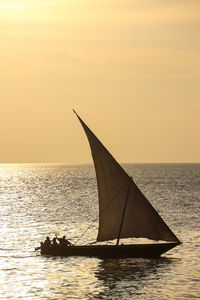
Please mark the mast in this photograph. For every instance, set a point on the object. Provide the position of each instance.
(124, 209)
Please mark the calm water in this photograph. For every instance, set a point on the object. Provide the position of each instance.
(40, 200)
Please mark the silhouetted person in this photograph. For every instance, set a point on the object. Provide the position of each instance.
(63, 241)
(47, 242)
(54, 243)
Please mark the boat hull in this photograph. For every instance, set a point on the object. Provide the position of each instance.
(111, 251)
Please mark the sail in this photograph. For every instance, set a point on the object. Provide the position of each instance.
(123, 210)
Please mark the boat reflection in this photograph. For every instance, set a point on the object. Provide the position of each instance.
(118, 274)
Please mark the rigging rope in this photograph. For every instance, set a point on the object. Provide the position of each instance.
(97, 217)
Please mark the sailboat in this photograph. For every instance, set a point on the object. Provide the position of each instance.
(124, 212)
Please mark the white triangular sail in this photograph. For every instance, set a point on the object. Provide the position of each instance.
(122, 207)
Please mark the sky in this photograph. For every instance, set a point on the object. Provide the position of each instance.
(131, 70)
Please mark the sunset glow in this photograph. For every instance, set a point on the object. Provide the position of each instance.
(13, 4)
(130, 69)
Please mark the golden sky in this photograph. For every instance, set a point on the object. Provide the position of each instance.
(130, 68)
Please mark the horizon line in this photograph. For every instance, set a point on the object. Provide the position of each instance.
(91, 163)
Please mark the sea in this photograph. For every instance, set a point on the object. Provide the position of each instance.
(39, 200)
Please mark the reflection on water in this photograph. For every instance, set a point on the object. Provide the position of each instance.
(134, 274)
(39, 200)
(114, 270)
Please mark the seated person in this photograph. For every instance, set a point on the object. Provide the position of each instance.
(63, 241)
(54, 243)
(47, 242)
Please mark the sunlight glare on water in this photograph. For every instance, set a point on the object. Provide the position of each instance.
(41, 200)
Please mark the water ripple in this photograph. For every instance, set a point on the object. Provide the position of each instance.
(41, 200)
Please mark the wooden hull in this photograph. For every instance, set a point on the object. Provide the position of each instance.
(111, 251)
